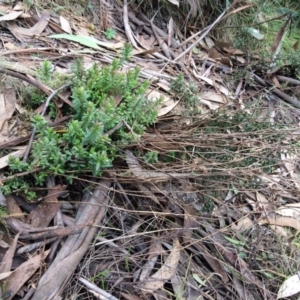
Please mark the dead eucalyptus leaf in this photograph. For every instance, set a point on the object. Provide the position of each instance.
(157, 280)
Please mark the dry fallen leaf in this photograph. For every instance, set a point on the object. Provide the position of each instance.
(17, 279)
(4, 159)
(36, 30)
(213, 96)
(282, 221)
(280, 35)
(279, 230)
(222, 89)
(42, 215)
(8, 102)
(130, 296)
(65, 25)
(157, 280)
(11, 16)
(290, 287)
(154, 252)
(243, 224)
(8, 257)
(292, 210)
(5, 275)
(167, 106)
(175, 2)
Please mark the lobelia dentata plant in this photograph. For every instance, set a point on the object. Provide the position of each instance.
(102, 97)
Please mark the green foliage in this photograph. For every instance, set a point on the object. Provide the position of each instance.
(102, 276)
(126, 53)
(110, 33)
(34, 97)
(151, 157)
(3, 212)
(44, 73)
(84, 146)
(188, 93)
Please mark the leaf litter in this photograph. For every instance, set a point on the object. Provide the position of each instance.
(206, 214)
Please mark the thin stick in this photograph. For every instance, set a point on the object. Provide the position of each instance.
(127, 27)
(96, 289)
(208, 29)
(34, 82)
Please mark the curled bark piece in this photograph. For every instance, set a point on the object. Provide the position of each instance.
(65, 263)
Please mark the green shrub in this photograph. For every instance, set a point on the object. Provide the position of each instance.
(102, 98)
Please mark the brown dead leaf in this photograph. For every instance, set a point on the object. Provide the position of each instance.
(130, 297)
(222, 44)
(154, 252)
(5, 275)
(243, 224)
(35, 30)
(8, 102)
(154, 95)
(147, 42)
(290, 162)
(13, 208)
(170, 31)
(296, 46)
(279, 36)
(282, 221)
(148, 193)
(233, 51)
(164, 85)
(240, 59)
(159, 142)
(167, 106)
(10, 46)
(19, 6)
(263, 202)
(175, 2)
(214, 53)
(12, 15)
(157, 280)
(145, 52)
(8, 257)
(65, 25)
(137, 170)
(209, 42)
(4, 159)
(5, 8)
(290, 210)
(42, 215)
(259, 202)
(279, 230)
(18, 278)
(213, 96)
(211, 82)
(239, 264)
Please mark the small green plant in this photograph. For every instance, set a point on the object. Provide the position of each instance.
(151, 157)
(45, 72)
(102, 276)
(84, 145)
(188, 93)
(34, 97)
(3, 212)
(110, 33)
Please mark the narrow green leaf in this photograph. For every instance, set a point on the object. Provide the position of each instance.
(81, 39)
(199, 280)
(235, 190)
(233, 241)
